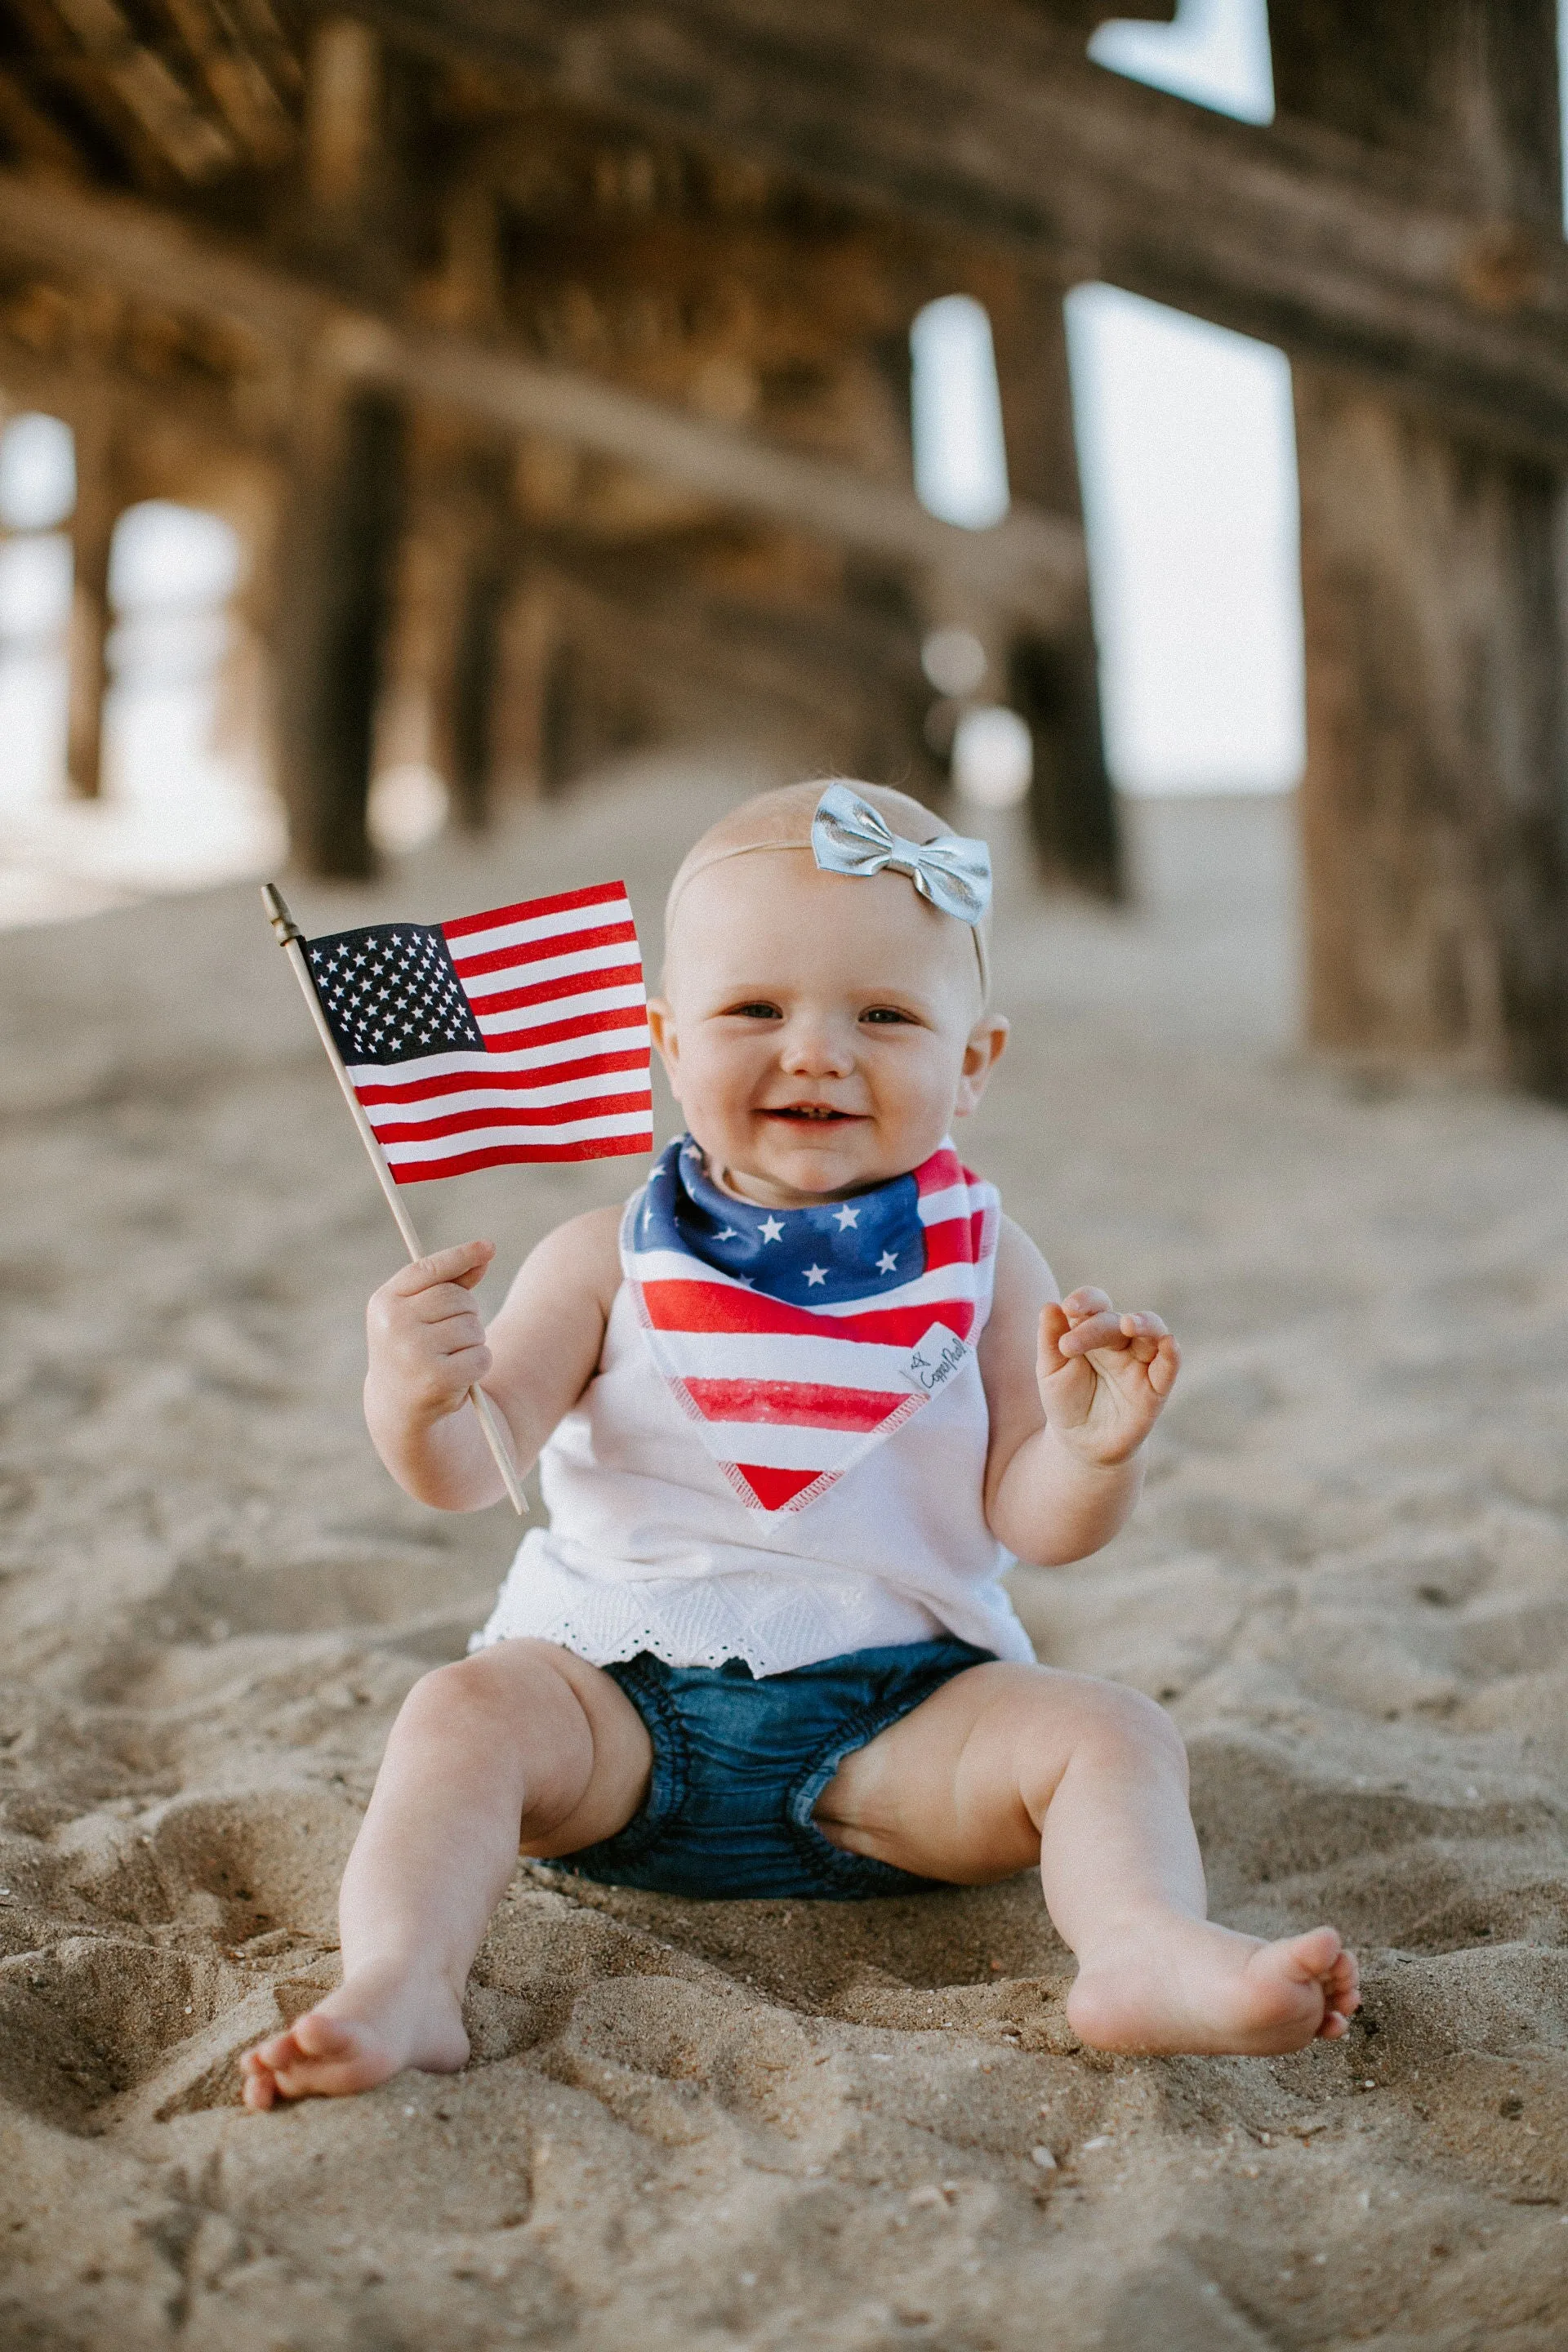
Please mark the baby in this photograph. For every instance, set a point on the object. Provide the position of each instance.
(796, 1408)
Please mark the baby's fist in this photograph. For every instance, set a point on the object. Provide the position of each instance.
(426, 1336)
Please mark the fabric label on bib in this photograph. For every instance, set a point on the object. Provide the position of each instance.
(934, 1360)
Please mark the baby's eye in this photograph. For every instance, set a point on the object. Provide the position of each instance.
(759, 1012)
(887, 1012)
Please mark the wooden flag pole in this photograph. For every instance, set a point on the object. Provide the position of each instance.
(289, 937)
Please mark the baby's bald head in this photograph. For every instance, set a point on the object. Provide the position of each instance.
(778, 822)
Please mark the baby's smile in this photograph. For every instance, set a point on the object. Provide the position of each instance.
(811, 1110)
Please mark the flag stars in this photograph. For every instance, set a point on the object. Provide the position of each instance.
(887, 1262)
(393, 1007)
(771, 1229)
(847, 1217)
(814, 1276)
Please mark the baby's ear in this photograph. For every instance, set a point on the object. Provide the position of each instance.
(661, 1029)
(983, 1050)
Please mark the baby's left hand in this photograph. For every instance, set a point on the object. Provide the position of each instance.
(1103, 1375)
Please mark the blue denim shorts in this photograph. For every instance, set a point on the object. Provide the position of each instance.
(739, 1763)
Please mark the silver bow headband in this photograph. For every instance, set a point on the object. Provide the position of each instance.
(849, 837)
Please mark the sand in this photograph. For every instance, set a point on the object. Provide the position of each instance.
(756, 2124)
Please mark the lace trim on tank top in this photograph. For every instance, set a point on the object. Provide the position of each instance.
(772, 1624)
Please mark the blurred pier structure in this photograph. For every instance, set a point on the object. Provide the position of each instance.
(552, 359)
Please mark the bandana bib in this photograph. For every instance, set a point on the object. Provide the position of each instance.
(796, 1340)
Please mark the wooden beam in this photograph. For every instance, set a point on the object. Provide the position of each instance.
(475, 680)
(620, 639)
(341, 111)
(1028, 560)
(110, 61)
(1436, 861)
(1031, 563)
(236, 78)
(1052, 679)
(1435, 803)
(989, 121)
(98, 508)
(340, 540)
(1450, 79)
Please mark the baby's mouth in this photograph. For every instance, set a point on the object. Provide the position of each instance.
(809, 1114)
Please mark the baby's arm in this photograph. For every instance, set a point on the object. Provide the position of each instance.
(1074, 1388)
(428, 1347)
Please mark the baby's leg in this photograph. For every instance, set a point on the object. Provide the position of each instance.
(523, 1745)
(1006, 1764)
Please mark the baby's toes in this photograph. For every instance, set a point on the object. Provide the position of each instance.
(258, 2086)
(1342, 1992)
(314, 2035)
(267, 2068)
(1309, 1958)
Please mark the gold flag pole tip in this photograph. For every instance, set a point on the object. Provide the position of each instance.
(284, 928)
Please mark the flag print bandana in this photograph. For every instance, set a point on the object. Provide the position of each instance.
(796, 1340)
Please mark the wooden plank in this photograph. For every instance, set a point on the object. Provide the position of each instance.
(989, 121)
(1434, 846)
(1435, 803)
(1052, 678)
(251, 108)
(99, 502)
(1031, 562)
(30, 133)
(1028, 560)
(476, 669)
(142, 84)
(619, 642)
(1447, 80)
(340, 539)
(343, 111)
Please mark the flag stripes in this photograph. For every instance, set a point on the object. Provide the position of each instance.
(554, 988)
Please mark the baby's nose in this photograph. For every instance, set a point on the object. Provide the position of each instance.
(817, 1049)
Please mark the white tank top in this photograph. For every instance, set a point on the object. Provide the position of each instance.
(650, 1547)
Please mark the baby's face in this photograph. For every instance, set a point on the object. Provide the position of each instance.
(821, 1031)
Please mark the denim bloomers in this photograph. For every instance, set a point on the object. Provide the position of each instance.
(740, 1761)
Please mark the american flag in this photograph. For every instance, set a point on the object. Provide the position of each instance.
(798, 1338)
(517, 1034)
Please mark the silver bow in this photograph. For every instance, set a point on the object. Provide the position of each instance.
(848, 836)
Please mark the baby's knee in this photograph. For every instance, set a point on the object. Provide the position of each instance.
(513, 1708)
(449, 1695)
(1110, 1719)
(1120, 1717)
(504, 1683)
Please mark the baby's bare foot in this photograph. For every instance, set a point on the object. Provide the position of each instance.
(1170, 1984)
(375, 2025)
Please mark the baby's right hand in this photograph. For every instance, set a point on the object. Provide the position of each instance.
(426, 1336)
